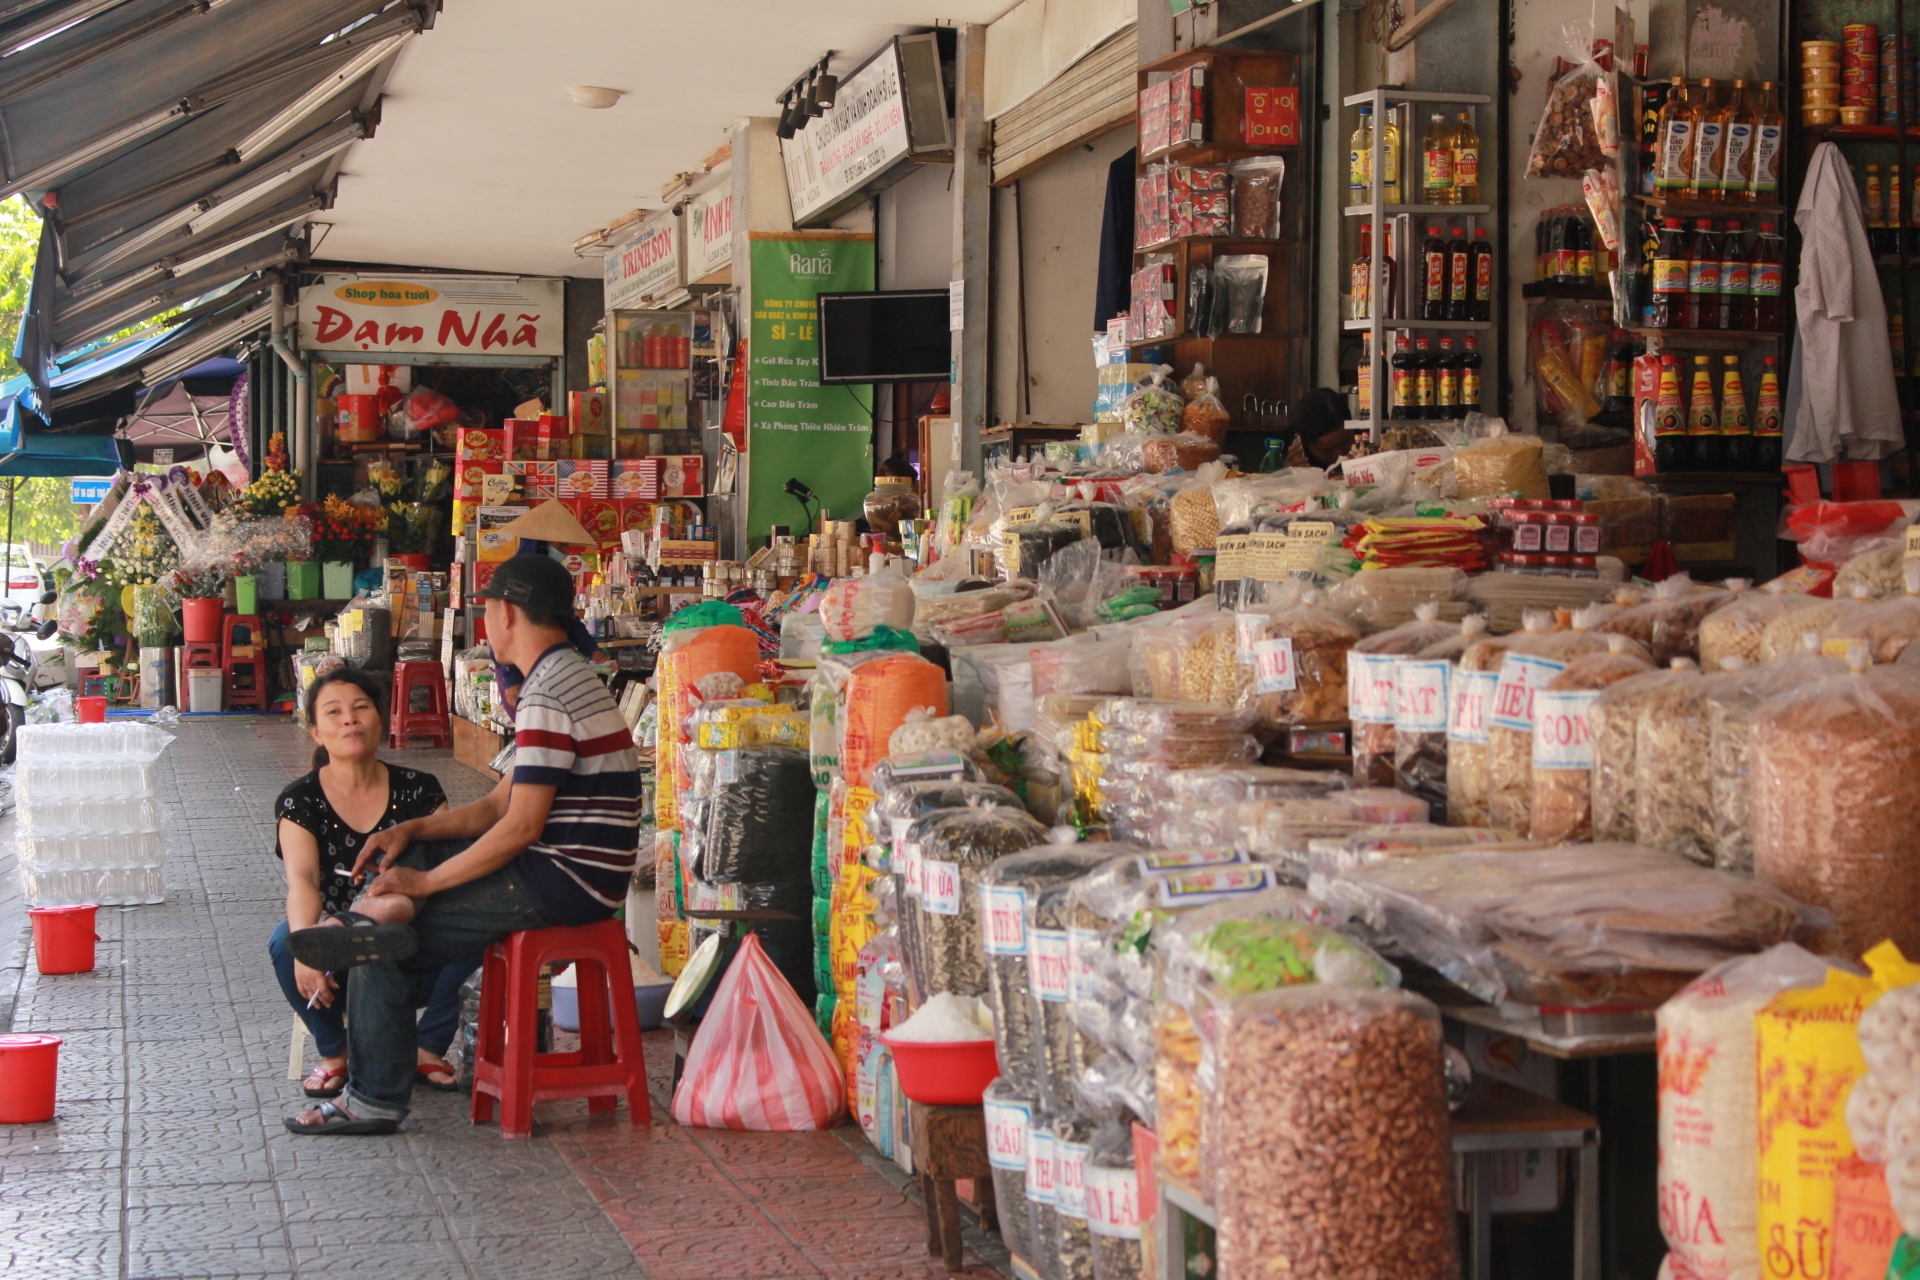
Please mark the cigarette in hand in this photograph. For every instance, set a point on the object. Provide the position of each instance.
(316, 996)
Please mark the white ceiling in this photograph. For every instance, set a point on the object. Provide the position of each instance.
(483, 162)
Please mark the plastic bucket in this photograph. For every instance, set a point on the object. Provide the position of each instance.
(29, 1067)
(943, 1073)
(91, 710)
(246, 594)
(200, 619)
(63, 938)
(359, 419)
(648, 1002)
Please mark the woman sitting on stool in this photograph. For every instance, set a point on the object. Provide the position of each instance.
(324, 818)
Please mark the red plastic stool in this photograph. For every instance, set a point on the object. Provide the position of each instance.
(246, 662)
(199, 655)
(419, 711)
(507, 1064)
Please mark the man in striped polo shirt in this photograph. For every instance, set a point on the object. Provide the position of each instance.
(553, 844)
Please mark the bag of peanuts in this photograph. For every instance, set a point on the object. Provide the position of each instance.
(1326, 1136)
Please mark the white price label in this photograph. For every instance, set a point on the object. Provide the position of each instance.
(1069, 1178)
(1003, 930)
(1370, 688)
(1246, 634)
(1521, 674)
(1472, 694)
(1083, 950)
(1049, 965)
(1560, 736)
(1040, 1166)
(910, 867)
(1007, 1125)
(726, 768)
(1113, 1202)
(940, 886)
(1420, 695)
(1273, 666)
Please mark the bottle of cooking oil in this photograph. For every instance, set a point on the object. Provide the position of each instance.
(1360, 160)
(1390, 158)
(1436, 162)
(1673, 161)
(1466, 161)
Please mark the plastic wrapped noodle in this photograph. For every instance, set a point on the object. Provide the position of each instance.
(1614, 722)
(1672, 757)
(1389, 597)
(1009, 1117)
(1580, 925)
(1836, 801)
(1205, 806)
(1738, 630)
(1328, 1138)
(1015, 954)
(1669, 624)
(1470, 697)
(955, 848)
(1310, 685)
(1142, 740)
(1562, 807)
(1113, 1203)
(1372, 684)
(1731, 702)
(1073, 1250)
(1281, 833)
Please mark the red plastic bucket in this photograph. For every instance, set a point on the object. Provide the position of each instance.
(359, 420)
(200, 619)
(63, 938)
(29, 1066)
(943, 1073)
(91, 710)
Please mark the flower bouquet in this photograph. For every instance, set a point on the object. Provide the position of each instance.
(278, 489)
(343, 530)
(412, 528)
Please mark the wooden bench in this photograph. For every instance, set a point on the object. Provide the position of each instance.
(950, 1143)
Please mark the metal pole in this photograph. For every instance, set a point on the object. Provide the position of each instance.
(13, 486)
(972, 265)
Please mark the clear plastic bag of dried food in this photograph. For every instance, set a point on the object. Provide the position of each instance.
(1836, 801)
(760, 821)
(1373, 704)
(1280, 833)
(1732, 699)
(1059, 1054)
(1389, 597)
(1737, 630)
(1330, 857)
(1116, 907)
(1161, 646)
(1073, 1250)
(1531, 660)
(1672, 753)
(1308, 1079)
(1154, 405)
(954, 849)
(1887, 626)
(1191, 516)
(1614, 722)
(1881, 571)
(1009, 1116)
(1294, 663)
(1204, 806)
(1562, 808)
(1470, 693)
(1669, 624)
(1113, 1203)
(1042, 1218)
(1006, 889)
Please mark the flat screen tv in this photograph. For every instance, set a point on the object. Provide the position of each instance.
(897, 336)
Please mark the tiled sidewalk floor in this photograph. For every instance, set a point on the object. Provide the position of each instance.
(168, 1159)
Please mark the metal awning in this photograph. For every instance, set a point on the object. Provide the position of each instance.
(178, 145)
(25, 452)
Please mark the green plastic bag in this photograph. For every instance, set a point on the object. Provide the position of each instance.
(710, 613)
(1905, 1263)
(882, 638)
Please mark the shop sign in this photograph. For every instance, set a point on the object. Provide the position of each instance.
(860, 136)
(645, 265)
(710, 231)
(431, 314)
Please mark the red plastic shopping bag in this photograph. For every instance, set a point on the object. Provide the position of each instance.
(759, 1061)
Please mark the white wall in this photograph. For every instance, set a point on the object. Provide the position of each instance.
(914, 230)
(1055, 223)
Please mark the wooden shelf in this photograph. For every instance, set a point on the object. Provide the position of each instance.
(1708, 339)
(1420, 210)
(1356, 326)
(1681, 208)
(1574, 292)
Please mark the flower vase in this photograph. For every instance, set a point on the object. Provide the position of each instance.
(336, 580)
(246, 594)
(272, 577)
(303, 580)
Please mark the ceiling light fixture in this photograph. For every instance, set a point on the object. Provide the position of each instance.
(826, 88)
(593, 97)
(812, 98)
(789, 117)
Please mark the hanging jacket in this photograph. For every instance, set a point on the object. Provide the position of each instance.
(1848, 405)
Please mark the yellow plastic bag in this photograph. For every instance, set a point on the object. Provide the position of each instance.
(1808, 1059)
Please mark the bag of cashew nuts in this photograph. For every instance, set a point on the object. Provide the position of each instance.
(1327, 1136)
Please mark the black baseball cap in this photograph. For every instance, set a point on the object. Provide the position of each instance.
(537, 583)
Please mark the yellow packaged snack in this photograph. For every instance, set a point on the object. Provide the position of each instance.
(1808, 1059)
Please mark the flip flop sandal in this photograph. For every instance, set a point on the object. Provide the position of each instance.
(324, 1082)
(331, 948)
(425, 1071)
(336, 1123)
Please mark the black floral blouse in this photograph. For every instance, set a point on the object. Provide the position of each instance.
(410, 794)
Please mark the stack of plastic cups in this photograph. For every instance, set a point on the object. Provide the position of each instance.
(1820, 82)
(1895, 52)
(1859, 72)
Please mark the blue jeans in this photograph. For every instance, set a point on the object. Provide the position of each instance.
(329, 1023)
(459, 923)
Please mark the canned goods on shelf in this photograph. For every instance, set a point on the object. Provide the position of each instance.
(1820, 53)
(1820, 115)
(1856, 115)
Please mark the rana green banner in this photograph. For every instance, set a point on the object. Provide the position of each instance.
(798, 429)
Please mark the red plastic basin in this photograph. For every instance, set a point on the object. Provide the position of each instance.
(939, 1073)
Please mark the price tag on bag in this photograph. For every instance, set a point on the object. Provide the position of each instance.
(1003, 919)
(1273, 670)
(1420, 695)
(1561, 739)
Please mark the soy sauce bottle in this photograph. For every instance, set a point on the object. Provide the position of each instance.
(1470, 376)
(1703, 277)
(1669, 420)
(1668, 307)
(1434, 260)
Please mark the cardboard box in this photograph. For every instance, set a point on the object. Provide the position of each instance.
(635, 513)
(598, 516)
(635, 477)
(470, 475)
(680, 476)
(581, 478)
(481, 444)
(1272, 116)
(587, 412)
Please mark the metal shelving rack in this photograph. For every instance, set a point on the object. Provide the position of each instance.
(1377, 212)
